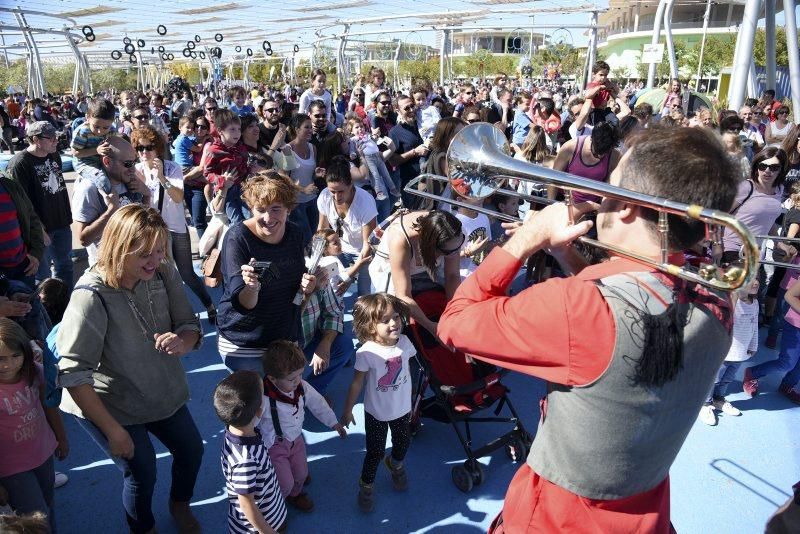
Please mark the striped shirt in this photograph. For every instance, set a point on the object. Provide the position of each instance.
(83, 138)
(12, 248)
(248, 471)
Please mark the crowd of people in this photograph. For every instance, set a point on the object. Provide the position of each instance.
(301, 197)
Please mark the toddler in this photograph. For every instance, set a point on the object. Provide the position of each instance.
(382, 361)
(239, 106)
(255, 503)
(340, 276)
(185, 145)
(378, 173)
(287, 395)
(30, 432)
(226, 163)
(743, 346)
(89, 143)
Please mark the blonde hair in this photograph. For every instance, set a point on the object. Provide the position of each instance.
(134, 229)
(369, 309)
(268, 187)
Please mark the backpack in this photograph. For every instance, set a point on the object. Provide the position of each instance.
(50, 358)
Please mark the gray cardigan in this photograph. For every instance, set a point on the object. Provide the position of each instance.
(106, 347)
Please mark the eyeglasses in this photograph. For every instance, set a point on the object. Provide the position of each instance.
(271, 110)
(142, 117)
(145, 148)
(774, 167)
(128, 163)
(447, 252)
(201, 126)
(385, 103)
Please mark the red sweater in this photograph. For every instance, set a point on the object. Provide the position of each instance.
(221, 158)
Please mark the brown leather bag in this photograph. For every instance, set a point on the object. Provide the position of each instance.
(212, 268)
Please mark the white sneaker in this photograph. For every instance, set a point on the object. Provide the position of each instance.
(707, 415)
(61, 479)
(727, 408)
(380, 196)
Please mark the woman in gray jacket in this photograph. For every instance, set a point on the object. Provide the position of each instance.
(121, 339)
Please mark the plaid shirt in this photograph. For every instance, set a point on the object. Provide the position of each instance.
(324, 311)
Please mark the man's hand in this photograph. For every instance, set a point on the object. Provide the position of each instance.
(548, 228)
(321, 358)
(111, 200)
(10, 308)
(33, 265)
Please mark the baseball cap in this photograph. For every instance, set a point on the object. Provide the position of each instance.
(40, 128)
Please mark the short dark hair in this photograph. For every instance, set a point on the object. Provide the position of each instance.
(316, 104)
(238, 397)
(769, 92)
(54, 294)
(224, 118)
(141, 107)
(769, 153)
(600, 65)
(435, 229)
(729, 122)
(643, 111)
(281, 358)
(338, 171)
(604, 138)
(650, 167)
(100, 108)
(547, 105)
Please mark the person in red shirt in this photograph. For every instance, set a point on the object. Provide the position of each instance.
(629, 352)
(226, 161)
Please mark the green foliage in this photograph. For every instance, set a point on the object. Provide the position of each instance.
(781, 51)
(109, 78)
(16, 75)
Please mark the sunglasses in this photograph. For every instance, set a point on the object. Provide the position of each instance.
(201, 126)
(359, 95)
(385, 103)
(470, 121)
(142, 117)
(447, 252)
(734, 130)
(271, 110)
(469, 93)
(774, 167)
(145, 148)
(128, 163)
(211, 109)
(408, 108)
(339, 227)
(322, 116)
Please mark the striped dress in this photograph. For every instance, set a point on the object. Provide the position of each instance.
(248, 471)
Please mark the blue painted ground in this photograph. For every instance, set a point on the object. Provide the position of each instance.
(728, 478)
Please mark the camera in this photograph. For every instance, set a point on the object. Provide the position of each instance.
(266, 270)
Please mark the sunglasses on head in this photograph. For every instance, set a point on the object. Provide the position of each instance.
(447, 252)
(774, 167)
(145, 148)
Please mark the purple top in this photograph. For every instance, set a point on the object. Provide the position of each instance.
(758, 213)
(597, 172)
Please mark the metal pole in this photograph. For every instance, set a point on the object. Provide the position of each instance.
(442, 52)
(530, 45)
(747, 34)
(651, 69)
(769, 31)
(794, 55)
(706, 18)
(5, 52)
(592, 55)
(673, 66)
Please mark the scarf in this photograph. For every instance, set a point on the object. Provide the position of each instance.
(274, 393)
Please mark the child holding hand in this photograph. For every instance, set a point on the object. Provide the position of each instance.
(286, 395)
(255, 503)
(382, 361)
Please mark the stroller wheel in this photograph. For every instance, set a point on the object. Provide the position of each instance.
(462, 478)
(516, 450)
(477, 472)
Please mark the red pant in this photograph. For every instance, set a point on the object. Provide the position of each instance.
(290, 463)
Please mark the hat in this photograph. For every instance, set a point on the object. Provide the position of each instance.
(40, 128)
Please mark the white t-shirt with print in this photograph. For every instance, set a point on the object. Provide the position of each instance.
(361, 212)
(473, 230)
(172, 212)
(387, 393)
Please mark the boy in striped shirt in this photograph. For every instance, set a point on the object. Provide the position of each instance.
(255, 503)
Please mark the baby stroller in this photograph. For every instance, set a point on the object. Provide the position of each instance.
(461, 390)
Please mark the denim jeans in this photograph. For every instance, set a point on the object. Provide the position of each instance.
(781, 307)
(57, 253)
(341, 351)
(725, 375)
(180, 435)
(306, 216)
(182, 254)
(238, 363)
(384, 209)
(379, 177)
(32, 491)
(95, 175)
(364, 281)
(234, 206)
(196, 203)
(788, 359)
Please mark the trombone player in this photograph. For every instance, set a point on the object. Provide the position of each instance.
(629, 353)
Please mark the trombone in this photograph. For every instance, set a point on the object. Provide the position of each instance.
(776, 238)
(480, 163)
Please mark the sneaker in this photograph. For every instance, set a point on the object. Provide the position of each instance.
(771, 342)
(380, 196)
(399, 476)
(212, 314)
(750, 384)
(726, 407)
(186, 521)
(790, 393)
(707, 415)
(302, 502)
(61, 479)
(365, 502)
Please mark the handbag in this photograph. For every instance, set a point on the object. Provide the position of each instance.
(212, 268)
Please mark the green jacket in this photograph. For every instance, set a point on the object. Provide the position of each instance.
(29, 224)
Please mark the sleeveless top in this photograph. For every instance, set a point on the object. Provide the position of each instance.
(380, 269)
(780, 132)
(597, 172)
(613, 438)
(304, 173)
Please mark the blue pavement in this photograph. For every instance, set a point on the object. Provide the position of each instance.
(728, 478)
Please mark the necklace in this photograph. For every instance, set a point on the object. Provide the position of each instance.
(143, 323)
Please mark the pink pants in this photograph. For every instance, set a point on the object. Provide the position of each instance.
(290, 463)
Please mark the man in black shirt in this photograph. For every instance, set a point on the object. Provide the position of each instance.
(38, 170)
(7, 130)
(271, 133)
(409, 145)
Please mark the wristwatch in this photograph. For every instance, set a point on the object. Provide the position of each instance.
(167, 185)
